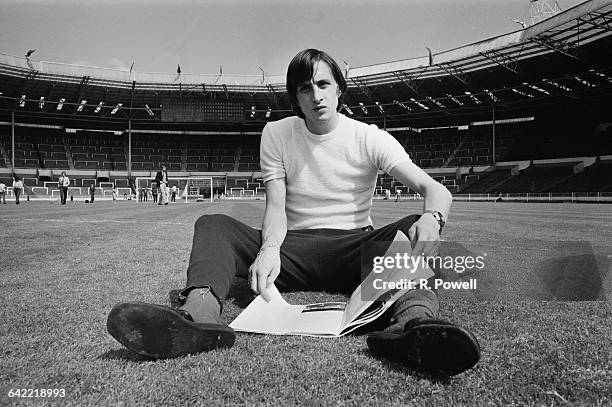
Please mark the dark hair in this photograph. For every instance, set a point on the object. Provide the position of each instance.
(301, 69)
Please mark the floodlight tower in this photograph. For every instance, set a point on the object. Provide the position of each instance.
(540, 10)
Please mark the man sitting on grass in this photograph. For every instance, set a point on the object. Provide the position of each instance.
(320, 171)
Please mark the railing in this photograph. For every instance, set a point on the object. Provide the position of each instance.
(50, 190)
(539, 197)
(602, 197)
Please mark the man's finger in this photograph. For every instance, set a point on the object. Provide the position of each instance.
(272, 277)
(428, 247)
(412, 235)
(414, 239)
(419, 248)
(262, 286)
(253, 280)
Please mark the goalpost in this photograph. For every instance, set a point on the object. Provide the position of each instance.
(198, 189)
(191, 189)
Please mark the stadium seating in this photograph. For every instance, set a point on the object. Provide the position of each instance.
(486, 182)
(533, 179)
(469, 147)
(595, 178)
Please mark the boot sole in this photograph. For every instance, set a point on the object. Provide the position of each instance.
(159, 332)
(445, 350)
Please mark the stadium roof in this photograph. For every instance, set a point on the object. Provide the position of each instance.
(563, 58)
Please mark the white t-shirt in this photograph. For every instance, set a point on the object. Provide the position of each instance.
(330, 178)
(2, 187)
(64, 181)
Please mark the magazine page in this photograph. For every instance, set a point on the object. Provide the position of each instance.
(371, 289)
(322, 319)
(275, 317)
(278, 317)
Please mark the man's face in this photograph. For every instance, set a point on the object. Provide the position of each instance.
(163, 168)
(318, 99)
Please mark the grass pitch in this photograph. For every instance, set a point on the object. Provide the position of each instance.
(541, 312)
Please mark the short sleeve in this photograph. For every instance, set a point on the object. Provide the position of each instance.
(270, 155)
(384, 150)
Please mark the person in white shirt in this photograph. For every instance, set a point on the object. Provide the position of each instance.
(162, 185)
(398, 194)
(63, 183)
(174, 191)
(17, 188)
(320, 170)
(2, 192)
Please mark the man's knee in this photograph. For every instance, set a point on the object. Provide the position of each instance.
(406, 223)
(215, 222)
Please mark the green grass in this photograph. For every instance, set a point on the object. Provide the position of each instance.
(64, 267)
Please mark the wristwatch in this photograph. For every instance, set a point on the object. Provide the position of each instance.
(438, 217)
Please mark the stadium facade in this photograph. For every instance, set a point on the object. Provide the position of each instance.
(526, 113)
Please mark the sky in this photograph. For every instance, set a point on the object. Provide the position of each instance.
(241, 36)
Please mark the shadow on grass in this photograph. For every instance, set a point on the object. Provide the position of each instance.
(540, 270)
(574, 277)
(124, 354)
(406, 370)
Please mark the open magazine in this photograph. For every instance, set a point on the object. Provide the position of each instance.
(333, 319)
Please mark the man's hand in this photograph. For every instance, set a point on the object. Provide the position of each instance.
(264, 271)
(424, 235)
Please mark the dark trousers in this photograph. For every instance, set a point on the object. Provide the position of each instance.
(63, 194)
(311, 260)
(17, 192)
(93, 197)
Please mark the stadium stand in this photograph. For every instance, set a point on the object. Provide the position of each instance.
(509, 114)
(98, 153)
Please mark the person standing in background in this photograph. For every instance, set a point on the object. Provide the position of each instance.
(63, 183)
(2, 192)
(92, 193)
(17, 188)
(162, 184)
(154, 193)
